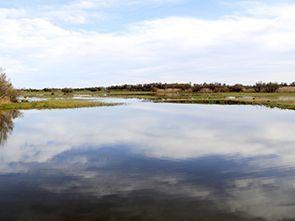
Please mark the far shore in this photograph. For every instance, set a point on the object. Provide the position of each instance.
(283, 100)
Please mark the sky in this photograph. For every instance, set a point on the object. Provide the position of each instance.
(85, 43)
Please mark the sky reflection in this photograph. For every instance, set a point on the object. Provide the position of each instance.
(232, 160)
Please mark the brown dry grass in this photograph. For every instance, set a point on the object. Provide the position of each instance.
(286, 89)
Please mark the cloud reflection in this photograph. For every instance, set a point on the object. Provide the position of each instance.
(235, 159)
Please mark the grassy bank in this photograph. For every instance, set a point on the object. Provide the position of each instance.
(52, 104)
(279, 100)
(267, 103)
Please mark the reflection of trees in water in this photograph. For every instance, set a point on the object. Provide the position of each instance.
(6, 123)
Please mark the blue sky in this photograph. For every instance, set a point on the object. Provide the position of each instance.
(118, 14)
(103, 42)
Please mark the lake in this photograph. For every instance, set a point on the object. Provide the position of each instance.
(146, 161)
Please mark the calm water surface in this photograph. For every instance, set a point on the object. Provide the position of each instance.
(145, 161)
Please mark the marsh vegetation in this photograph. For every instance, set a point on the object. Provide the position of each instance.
(266, 94)
(52, 104)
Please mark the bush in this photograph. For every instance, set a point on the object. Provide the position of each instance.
(236, 88)
(47, 90)
(67, 90)
(7, 92)
(266, 87)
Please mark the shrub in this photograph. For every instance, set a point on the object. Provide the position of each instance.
(7, 92)
(67, 90)
(266, 87)
(236, 88)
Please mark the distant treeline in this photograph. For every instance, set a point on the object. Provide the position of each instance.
(185, 87)
(66, 90)
(206, 87)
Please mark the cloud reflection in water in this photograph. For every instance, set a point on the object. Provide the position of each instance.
(152, 158)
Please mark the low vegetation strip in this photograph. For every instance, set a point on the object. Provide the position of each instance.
(52, 104)
(262, 102)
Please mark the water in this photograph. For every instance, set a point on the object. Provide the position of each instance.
(145, 161)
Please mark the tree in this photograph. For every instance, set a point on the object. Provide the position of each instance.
(7, 91)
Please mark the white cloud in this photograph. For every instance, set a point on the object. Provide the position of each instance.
(38, 52)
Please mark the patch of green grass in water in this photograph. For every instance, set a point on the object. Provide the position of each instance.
(52, 104)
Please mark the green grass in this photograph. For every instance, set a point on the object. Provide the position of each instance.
(279, 100)
(52, 104)
(267, 103)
